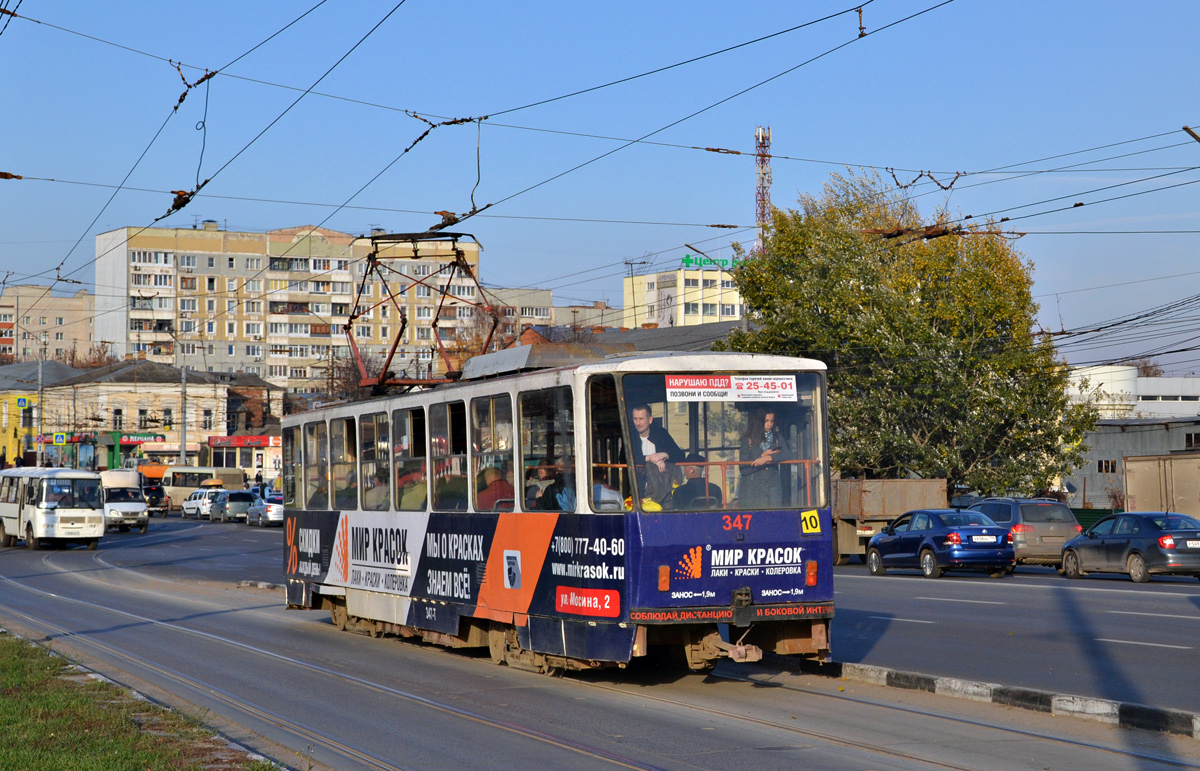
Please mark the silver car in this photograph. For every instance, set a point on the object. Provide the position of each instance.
(266, 511)
(1040, 527)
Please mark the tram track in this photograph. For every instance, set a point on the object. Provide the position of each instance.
(306, 734)
(298, 730)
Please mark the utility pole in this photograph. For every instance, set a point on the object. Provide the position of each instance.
(41, 443)
(183, 422)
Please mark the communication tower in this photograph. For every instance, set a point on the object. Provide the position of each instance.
(762, 190)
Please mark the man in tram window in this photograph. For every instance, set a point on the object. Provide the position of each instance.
(655, 454)
(346, 496)
(375, 497)
(497, 494)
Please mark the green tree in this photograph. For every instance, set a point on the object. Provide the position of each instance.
(935, 367)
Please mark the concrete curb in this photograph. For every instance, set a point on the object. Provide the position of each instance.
(1120, 713)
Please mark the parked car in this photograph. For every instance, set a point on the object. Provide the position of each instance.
(266, 510)
(198, 503)
(937, 540)
(230, 504)
(1040, 527)
(1139, 543)
(157, 501)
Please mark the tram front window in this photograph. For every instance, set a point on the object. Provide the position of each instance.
(717, 441)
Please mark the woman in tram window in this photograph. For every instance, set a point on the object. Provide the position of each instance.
(762, 450)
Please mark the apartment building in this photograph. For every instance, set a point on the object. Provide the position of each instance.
(699, 291)
(274, 304)
(37, 324)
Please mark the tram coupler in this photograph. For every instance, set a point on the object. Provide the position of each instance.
(739, 652)
(703, 653)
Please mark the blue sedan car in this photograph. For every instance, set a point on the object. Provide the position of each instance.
(937, 540)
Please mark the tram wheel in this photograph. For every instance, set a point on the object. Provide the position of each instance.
(496, 642)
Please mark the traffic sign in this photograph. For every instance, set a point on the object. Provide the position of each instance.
(60, 438)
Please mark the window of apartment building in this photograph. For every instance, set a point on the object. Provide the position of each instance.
(727, 283)
(424, 312)
(384, 310)
(230, 283)
(164, 279)
(465, 311)
(59, 352)
(211, 305)
(424, 291)
(1191, 441)
(187, 260)
(341, 287)
(58, 335)
(210, 284)
(254, 328)
(188, 305)
(298, 351)
(6, 317)
(187, 326)
(277, 285)
(277, 370)
(1106, 466)
(231, 306)
(649, 286)
(691, 282)
(254, 350)
(186, 283)
(709, 283)
(341, 309)
(210, 327)
(320, 286)
(43, 336)
(1144, 398)
(320, 265)
(254, 285)
(710, 309)
(42, 320)
(420, 269)
(206, 419)
(254, 263)
(298, 373)
(118, 416)
(210, 350)
(25, 320)
(58, 320)
(212, 262)
(168, 418)
(160, 304)
(230, 328)
(297, 286)
(188, 349)
(229, 350)
(728, 309)
(253, 306)
(691, 309)
(383, 333)
(341, 264)
(143, 419)
(298, 329)
(230, 263)
(423, 333)
(362, 332)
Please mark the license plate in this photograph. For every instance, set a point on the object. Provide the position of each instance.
(1193, 544)
(983, 539)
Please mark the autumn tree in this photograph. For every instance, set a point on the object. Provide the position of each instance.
(935, 367)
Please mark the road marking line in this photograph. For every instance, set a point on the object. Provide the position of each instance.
(908, 620)
(1156, 615)
(1158, 589)
(1152, 645)
(951, 599)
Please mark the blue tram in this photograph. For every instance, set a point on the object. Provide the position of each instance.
(573, 512)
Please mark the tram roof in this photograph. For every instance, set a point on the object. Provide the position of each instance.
(618, 358)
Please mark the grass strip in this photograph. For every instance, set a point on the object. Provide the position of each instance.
(55, 717)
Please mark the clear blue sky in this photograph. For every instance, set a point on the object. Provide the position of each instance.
(970, 86)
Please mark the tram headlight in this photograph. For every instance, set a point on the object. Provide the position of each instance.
(664, 577)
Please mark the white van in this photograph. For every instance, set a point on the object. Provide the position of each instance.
(124, 504)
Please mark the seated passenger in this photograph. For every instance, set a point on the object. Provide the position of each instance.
(601, 491)
(375, 498)
(498, 494)
(346, 496)
(694, 493)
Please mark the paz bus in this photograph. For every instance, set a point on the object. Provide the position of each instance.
(575, 512)
(50, 505)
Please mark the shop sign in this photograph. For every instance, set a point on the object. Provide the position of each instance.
(245, 441)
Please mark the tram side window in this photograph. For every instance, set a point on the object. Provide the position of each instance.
(491, 431)
(373, 459)
(408, 459)
(316, 466)
(448, 448)
(343, 450)
(547, 450)
(610, 470)
(292, 470)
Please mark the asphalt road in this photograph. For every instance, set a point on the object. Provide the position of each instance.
(1098, 636)
(163, 612)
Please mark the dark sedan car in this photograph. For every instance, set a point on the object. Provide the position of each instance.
(1139, 543)
(937, 540)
